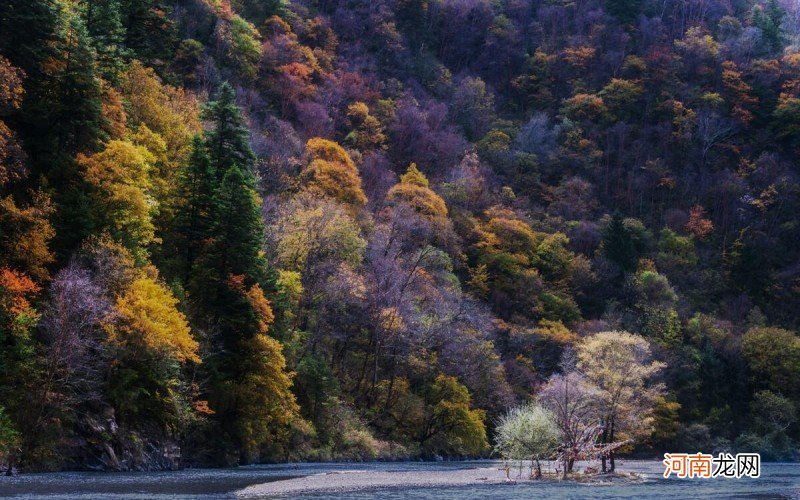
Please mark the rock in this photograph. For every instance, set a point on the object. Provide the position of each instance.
(100, 443)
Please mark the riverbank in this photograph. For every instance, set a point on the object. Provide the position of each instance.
(340, 482)
(778, 480)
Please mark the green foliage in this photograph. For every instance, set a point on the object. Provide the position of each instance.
(623, 242)
(150, 29)
(527, 433)
(259, 10)
(244, 48)
(450, 425)
(622, 98)
(249, 387)
(9, 437)
(228, 141)
(103, 20)
(676, 251)
(773, 357)
(194, 209)
(787, 118)
(624, 10)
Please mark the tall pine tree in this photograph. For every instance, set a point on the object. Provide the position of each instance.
(150, 31)
(103, 20)
(229, 139)
(228, 279)
(193, 210)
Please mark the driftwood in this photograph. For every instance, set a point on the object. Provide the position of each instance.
(587, 448)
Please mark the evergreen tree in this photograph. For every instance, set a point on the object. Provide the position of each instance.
(76, 112)
(27, 28)
(229, 140)
(228, 272)
(768, 19)
(238, 230)
(64, 117)
(62, 111)
(150, 32)
(192, 225)
(624, 10)
(618, 244)
(103, 20)
(228, 279)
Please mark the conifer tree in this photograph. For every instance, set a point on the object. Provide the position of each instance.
(103, 20)
(76, 113)
(195, 191)
(150, 32)
(26, 28)
(618, 244)
(49, 42)
(228, 272)
(228, 141)
(229, 277)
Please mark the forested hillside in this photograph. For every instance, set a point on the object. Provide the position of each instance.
(258, 230)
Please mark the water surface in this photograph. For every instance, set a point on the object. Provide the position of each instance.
(776, 481)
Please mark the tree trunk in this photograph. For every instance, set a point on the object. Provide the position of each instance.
(603, 441)
(611, 453)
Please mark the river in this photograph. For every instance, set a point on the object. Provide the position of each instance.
(776, 481)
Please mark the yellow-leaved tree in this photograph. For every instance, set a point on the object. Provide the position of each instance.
(152, 343)
(414, 190)
(264, 395)
(125, 208)
(621, 366)
(170, 112)
(148, 318)
(332, 172)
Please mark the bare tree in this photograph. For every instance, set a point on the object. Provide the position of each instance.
(712, 129)
(573, 401)
(75, 351)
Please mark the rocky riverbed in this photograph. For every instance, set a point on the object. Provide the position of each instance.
(339, 482)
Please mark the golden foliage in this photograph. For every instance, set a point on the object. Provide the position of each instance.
(368, 132)
(25, 235)
(414, 176)
(16, 290)
(11, 89)
(168, 111)
(555, 331)
(148, 317)
(413, 190)
(264, 395)
(121, 174)
(114, 117)
(262, 308)
(698, 224)
(332, 172)
(580, 56)
(584, 107)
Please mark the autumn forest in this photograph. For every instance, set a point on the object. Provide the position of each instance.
(240, 231)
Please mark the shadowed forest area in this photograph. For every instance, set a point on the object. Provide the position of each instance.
(237, 231)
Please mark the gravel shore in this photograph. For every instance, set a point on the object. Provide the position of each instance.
(355, 480)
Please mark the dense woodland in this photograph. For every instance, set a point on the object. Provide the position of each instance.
(235, 231)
